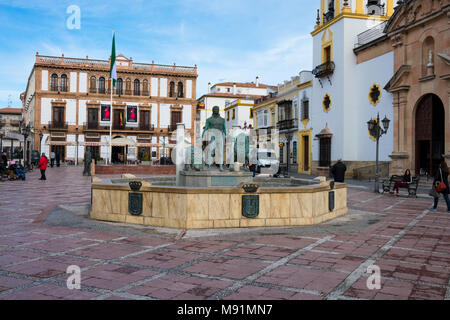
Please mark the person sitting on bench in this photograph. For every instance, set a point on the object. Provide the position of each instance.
(407, 179)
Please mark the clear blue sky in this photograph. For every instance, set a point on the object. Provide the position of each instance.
(233, 40)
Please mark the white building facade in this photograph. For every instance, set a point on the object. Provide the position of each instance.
(347, 92)
(68, 105)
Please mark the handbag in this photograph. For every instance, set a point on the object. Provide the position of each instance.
(441, 185)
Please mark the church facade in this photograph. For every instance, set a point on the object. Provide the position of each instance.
(388, 58)
(420, 36)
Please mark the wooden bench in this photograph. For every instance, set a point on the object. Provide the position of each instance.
(412, 187)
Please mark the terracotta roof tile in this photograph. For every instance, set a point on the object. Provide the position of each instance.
(11, 110)
(243, 85)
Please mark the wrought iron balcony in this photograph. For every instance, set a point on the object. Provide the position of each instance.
(92, 90)
(172, 127)
(118, 126)
(290, 124)
(145, 93)
(146, 127)
(58, 125)
(91, 126)
(324, 69)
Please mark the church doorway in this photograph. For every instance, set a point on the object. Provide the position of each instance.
(430, 134)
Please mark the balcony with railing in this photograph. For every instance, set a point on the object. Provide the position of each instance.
(59, 88)
(91, 126)
(323, 70)
(58, 125)
(172, 127)
(287, 125)
(118, 126)
(14, 123)
(146, 127)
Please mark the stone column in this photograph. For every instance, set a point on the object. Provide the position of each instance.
(400, 155)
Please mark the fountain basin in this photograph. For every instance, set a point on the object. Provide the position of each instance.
(219, 207)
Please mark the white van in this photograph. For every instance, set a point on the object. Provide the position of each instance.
(267, 158)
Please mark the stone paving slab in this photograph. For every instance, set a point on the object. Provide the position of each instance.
(49, 231)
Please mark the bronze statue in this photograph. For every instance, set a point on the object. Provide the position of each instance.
(218, 123)
(87, 163)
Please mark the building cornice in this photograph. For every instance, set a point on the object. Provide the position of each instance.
(347, 15)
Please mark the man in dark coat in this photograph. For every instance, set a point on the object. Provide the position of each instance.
(338, 171)
(442, 176)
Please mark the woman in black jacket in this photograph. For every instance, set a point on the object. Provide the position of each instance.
(442, 175)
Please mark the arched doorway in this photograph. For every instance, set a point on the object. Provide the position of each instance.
(430, 134)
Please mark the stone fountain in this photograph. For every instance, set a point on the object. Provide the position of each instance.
(208, 195)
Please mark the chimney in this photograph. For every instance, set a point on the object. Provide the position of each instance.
(234, 88)
(257, 81)
(209, 87)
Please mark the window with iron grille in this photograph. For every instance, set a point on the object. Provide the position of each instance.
(54, 82)
(305, 113)
(64, 83)
(119, 86)
(172, 89)
(101, 85)
(180, 90)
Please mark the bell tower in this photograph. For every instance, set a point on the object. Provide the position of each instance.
(332, 9)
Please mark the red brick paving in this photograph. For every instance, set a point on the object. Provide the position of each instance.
(411, 249)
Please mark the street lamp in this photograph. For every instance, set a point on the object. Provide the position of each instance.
(25, 132)
(76, 157)
(376, 131)
(40, 142)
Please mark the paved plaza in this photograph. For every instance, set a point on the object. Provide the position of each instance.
(44, 229)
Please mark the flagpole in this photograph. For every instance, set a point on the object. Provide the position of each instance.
(111, 113)
(110, 125)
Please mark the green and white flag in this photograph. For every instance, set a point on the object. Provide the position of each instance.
(113, 70)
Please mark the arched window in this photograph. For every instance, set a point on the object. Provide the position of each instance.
(93, 85)
(128, 87)
(137, 87)
(54, 82)
(374, 7)
(101, 85)
(180, 90)
(172, 89)
(119, 86)
(428, 57)
(64, 83)
(145, 88)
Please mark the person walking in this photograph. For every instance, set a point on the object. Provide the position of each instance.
(338, 171)
(43, 166)
(58, 159)
(441, 177)
(52, 159)
(5, 159)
